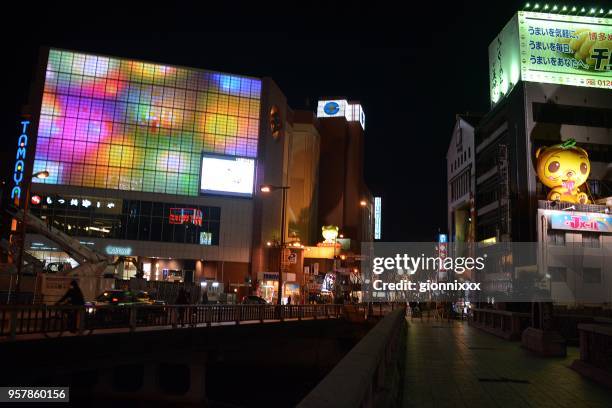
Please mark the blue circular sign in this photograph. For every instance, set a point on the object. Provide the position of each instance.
(331, 108)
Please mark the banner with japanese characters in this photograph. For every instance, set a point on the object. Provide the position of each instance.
(551, 48)
(566, 50)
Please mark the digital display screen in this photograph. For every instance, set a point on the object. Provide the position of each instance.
(123, 124)
(227, 175)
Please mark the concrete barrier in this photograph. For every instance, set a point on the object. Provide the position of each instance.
(369, 375)
(501, 323)
(595, 353)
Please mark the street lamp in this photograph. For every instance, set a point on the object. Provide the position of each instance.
(268, 189)
(39, 175)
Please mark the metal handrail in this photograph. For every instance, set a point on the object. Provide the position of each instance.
(53, 321)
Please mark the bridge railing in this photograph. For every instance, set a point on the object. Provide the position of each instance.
(502, 323)
(55, 320)
(369, 375)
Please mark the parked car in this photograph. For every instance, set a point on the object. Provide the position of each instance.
(119, 297)
(113, 306)
(253, 300)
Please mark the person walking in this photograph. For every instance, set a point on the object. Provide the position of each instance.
(180, 301)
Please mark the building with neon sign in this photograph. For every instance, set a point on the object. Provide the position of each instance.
(544, 90)
(163, 163)
(550, 82)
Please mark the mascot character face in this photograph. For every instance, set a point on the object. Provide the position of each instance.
(564, 168)
(330, 232)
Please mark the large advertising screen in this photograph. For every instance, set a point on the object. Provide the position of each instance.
(123, 124)
(551, 48)
(227, 175)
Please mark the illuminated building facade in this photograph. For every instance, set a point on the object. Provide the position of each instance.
(156, 162)
(163, 164)
(544, 91)
(537, 104)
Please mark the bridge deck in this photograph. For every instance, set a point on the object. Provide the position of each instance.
(450, 364)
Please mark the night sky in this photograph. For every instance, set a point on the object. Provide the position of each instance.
(412, 69)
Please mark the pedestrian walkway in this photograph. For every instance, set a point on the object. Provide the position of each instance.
(450, 364)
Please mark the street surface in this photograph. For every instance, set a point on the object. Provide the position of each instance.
(450, 364)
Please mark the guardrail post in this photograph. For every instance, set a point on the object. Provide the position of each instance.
(300, 312)
(261, 313)
(132, 318)
(13, 327)
(280, 313)
(238, 314)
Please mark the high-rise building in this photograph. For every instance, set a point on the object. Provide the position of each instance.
(550, 84)
(461, 179)
(550, 81)
(159, 167)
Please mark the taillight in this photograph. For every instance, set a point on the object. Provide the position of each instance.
(114, 300)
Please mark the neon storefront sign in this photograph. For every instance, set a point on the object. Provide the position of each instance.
(581, 222)
(185, 215)
(117, 250)
(19, 169)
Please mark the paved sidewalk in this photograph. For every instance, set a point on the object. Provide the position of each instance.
(450, 364)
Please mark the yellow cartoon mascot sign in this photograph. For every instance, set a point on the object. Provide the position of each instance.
(564, 168)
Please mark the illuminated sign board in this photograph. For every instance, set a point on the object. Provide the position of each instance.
(205, 238)
(353, 112)
(335, 108)
(227, 175)
(442, 254)
(185, 215)
(551, 48)
(20, 157)
(377, 217)
(105, 205)
(595, 222)
(119, 251)
(329, 282)
(124, 124)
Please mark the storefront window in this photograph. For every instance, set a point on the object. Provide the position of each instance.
(127, 219)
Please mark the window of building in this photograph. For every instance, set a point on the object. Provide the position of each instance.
(128, 219)
(591, 275)
(590, 240)
(572, 115)
(556, 237)
(557, 273)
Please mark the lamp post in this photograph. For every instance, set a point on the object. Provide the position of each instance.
(268, 189)
(22, 231)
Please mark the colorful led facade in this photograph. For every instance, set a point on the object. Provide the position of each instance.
(130, 125)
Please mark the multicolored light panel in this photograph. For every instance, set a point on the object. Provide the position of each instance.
(131, 125)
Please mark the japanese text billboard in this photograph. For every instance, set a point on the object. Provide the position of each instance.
(551, 48)
(581, 221)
